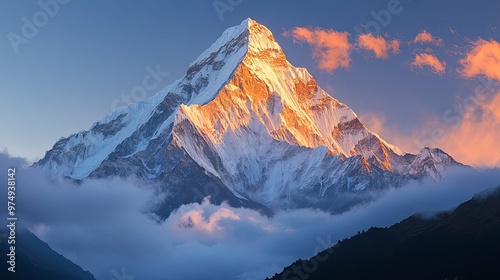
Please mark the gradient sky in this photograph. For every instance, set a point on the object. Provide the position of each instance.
(77, 67)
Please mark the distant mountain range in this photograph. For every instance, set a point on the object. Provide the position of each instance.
(463, 244)
(245, 126)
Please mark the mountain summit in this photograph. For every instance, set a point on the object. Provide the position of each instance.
(243, 119)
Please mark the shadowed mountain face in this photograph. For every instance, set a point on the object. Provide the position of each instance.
(463, 244)
(36, 260)
(246, 126)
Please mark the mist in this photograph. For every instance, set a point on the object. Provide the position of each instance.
(105, 225)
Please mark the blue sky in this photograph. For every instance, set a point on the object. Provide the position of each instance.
(90, 55)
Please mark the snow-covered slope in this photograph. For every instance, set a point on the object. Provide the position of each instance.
(247, 120)
(129, 130)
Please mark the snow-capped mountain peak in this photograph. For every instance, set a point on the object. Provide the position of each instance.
(246, 119)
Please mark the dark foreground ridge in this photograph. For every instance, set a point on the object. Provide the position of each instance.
(463, 244)
(36, 260)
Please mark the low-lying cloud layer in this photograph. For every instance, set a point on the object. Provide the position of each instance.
(102, 225)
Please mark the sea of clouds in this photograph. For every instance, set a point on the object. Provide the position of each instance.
(105, 225)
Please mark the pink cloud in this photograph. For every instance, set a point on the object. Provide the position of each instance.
(379, 45)
(470, 136)
(330, 48)
(431, 61)
(196, 218)
(426, 37)
(482, 59)
(475, 140)
(378, 124)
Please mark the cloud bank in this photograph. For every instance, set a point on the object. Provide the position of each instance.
(102, 225)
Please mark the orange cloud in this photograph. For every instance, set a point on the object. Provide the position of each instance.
(426, 37)
(196, 219)
(482, 59)
(469, 134)
(475, 140)
(378, 124)
(330, 48)
(429, 60)
(379, 45)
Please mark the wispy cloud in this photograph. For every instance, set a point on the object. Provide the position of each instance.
(429, 60)
(475, 139)
(378, 45)
(483, 58)
(469, 133)
(427, 37)
(378, 124)
(330, 48)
